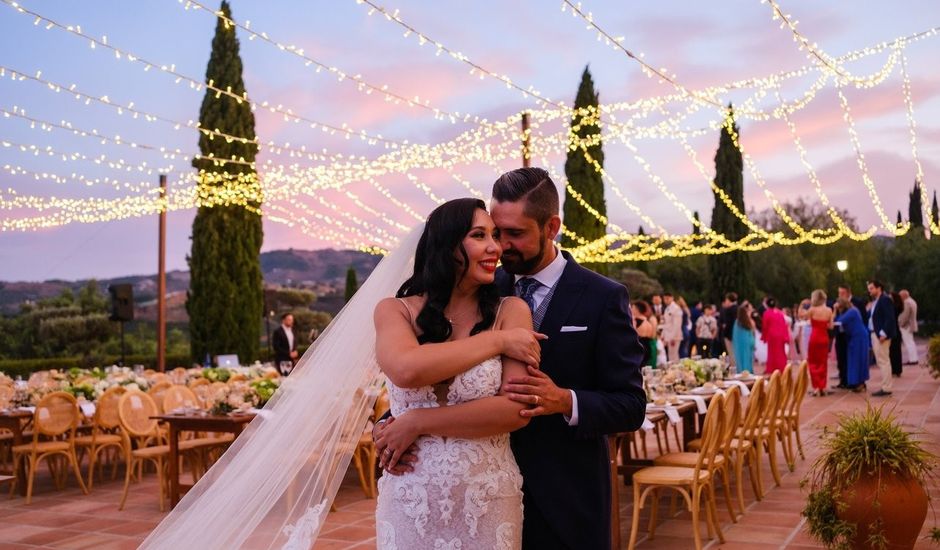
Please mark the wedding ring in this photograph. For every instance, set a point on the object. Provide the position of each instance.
(387, 452)
(538, 401)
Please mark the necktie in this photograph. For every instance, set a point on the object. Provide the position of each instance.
(525, 289)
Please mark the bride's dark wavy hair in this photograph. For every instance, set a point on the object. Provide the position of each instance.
(436, 271)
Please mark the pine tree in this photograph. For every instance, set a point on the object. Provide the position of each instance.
(934, 210)
(730, 271)
(225, 298)
(582, 174)
(915, 212)
(352, 284)
(696, 228)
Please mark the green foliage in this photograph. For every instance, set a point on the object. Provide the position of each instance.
(265, 389)
(933, 356)
(640, 285)
(306, 320)
(696, 229)
(24, 367)
(225, 300)
(213, 374)
(581, 173)
(865, 443)
(935, 210)
(352, 284)
(730, 271)
(915, 208)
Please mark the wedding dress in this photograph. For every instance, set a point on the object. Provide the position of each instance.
(463, 493)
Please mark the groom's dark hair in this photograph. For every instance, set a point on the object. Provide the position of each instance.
(533, 185)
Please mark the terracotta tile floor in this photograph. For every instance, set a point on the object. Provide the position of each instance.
(68, 519)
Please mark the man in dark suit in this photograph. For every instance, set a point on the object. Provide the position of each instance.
(883, 325)
(284, 343)
(588, 384)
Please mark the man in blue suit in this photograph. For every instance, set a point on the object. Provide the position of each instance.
(883, 326)
(588, 384)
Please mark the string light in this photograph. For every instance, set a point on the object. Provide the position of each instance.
(932, 224)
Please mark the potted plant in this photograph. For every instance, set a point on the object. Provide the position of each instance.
(867, 488)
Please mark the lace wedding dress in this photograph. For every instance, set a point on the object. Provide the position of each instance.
(463, 493)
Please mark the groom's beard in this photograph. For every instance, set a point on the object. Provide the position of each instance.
(515, 264)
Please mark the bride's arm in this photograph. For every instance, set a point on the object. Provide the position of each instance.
(478, 418)
(411, 365)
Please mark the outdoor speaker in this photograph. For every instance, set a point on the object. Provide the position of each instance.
(122, 302)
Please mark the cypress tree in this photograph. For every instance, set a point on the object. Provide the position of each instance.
(915, 212)
(581, 173)
(730, 271)
(640, 231)
(934, 210)
(900, 220)
(352, 284)
(225, 297)
(696, 229)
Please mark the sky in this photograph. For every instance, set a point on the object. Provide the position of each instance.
(534, 43)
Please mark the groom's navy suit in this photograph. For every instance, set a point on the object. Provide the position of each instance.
(566, 469)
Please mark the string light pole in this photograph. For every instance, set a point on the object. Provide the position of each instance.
(161, 280)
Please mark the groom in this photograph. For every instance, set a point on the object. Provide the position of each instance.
(589, 382)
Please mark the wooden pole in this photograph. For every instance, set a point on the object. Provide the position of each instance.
(161, 281)
(525, 140)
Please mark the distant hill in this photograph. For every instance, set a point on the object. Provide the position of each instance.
(323, 271)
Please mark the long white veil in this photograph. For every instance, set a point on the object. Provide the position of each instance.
(274, 486)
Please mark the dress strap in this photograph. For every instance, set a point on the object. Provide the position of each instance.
(498, 309)
(411, 313)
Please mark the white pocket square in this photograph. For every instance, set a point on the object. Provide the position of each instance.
(572, 328)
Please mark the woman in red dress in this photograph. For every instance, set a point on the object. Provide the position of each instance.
(776, 333)
(820, 317)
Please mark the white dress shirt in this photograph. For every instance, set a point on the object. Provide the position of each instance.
(548, 277)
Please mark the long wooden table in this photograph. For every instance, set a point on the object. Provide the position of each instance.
(17, 421)
(195, 423)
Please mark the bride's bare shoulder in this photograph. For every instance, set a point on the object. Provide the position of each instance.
(399, 306)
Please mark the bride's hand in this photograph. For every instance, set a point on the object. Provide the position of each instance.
(522, 345)
(396, 438)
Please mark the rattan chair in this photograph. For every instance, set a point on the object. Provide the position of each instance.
(723, 462)
(747, 444)
(692, 483)
(135, 410)
(792, 413)
(7, 391)
(54, 424)
(179, 397)
(157, 391)
(770, 431)
(105, 433)
(364, 457)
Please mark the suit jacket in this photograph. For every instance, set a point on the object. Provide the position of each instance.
(672, 323)
(566, 469)
(883, 317)
(281, 345)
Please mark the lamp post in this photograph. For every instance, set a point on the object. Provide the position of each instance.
(842, 265)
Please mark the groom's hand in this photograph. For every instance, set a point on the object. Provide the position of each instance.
(538, 390)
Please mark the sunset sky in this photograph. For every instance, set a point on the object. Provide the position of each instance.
(534, 43)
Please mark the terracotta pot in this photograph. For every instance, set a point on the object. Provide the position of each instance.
(902, 510)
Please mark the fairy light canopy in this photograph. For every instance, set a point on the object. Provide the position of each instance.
(370, 112)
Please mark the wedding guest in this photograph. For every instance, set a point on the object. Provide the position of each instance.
(895, 351)
(284, 343)
(776, 334)
(907, 323)
(657, 306)
(706, 331)
(817, 357)
(686, 343)
(882, 324)
(672, 327)
(696, 313)
(646, 330)
(743, 340)
(855, 335)
(805, 329)
(845, 293)
(726, 318)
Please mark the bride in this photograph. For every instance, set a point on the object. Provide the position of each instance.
(274, 486)
(464, 490)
